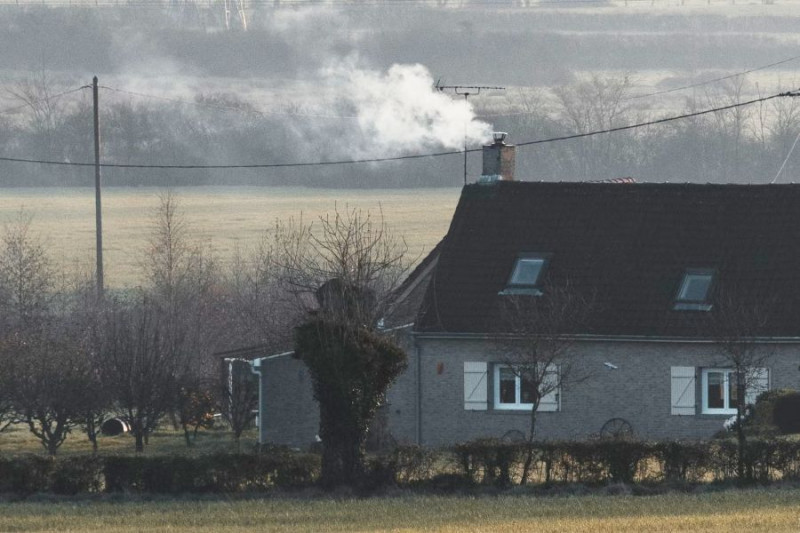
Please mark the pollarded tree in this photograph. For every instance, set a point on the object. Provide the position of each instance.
(351, 368)
(347, 266)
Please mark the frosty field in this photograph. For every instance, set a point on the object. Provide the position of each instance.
(222, 217)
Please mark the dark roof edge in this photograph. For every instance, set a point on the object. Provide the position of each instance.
(600, 338)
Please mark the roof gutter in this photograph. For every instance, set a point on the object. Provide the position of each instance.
(600, 338)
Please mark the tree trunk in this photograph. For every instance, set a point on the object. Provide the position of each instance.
(741, 438)
(139, 442)
(342, 461)
(529, 446)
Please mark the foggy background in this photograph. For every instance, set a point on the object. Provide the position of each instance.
(316, 82)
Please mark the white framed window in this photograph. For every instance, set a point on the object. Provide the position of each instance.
(719, 391)
(526, 276)
(512, 392)
(694, 290)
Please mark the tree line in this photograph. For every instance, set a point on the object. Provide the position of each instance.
(739, 145)
(71, 358)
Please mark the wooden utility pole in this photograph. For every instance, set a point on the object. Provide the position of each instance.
(97, 202)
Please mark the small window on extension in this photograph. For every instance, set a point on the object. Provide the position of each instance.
(695, 290)
(526, 277)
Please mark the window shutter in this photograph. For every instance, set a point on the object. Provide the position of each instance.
(550, 401)
(476, 390)
(683, 390)
(758, 383)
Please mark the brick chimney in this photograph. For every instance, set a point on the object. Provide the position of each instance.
(498, 159)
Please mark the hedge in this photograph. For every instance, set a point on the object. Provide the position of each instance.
(469, 465)
(220, 473)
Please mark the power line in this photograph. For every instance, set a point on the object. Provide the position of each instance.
(663, 120)
(666, 91)
(715, 80)
(46, 98)
(406, 157)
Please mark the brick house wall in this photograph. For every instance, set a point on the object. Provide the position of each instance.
(638, 390)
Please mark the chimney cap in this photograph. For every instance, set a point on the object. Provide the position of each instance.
(499, 137)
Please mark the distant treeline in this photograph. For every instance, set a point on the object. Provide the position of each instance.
(531, 48)
(743, 144)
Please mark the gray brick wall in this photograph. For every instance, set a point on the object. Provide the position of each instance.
(291, 415)
(639, 391)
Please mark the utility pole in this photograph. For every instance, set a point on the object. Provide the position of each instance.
(97, 202)
(467, 91)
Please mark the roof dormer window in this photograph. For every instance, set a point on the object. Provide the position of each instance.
(694, 291)
(526, 277)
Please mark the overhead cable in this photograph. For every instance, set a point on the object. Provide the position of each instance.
(44, 99)
(405, 157)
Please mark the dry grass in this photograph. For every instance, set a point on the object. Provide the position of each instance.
(752, 510)
(17, 440)
(223, 217)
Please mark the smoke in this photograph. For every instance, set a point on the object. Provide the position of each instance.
(400, 111)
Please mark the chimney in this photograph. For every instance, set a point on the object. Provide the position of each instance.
(498, 159)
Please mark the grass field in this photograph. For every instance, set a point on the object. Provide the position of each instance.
(223, 217)
(754, 511)
(18, 440)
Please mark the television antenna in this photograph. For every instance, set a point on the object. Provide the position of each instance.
(466, 91)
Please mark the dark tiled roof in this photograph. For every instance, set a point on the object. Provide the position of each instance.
(626, 244)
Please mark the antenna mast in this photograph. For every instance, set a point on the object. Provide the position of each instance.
(466, 91)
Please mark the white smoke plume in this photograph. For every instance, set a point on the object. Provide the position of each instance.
(400, 111)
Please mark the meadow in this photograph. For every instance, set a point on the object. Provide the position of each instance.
(223, 218)
(754, 510)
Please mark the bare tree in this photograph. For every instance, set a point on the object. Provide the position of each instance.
(349, 265)
(143, 362)
(736, 323)
(7, 362)
(26, 275)
(51, 381)
(184, 286)
(539, 348)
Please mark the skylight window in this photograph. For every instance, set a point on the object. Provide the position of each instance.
(526, 277)
(694, 291)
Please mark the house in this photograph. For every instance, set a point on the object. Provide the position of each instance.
(655, 258)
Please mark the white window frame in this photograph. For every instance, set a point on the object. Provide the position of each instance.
(727, 373)
(515, 285)
(548, 402)
(682, 301)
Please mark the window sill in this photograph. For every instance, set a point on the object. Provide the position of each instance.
(530, 291)
(689, 306)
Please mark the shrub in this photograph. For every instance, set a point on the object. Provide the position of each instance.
(786, 412)
(211, 473)
(415, 463)
(488, 461)
(682, 461)
(75, 475)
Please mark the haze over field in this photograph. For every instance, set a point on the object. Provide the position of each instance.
(221, 219)
(324, 82)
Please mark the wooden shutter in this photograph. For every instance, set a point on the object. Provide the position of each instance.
(683, 390)
(476, 389)
(550, 401)
(758, 383)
